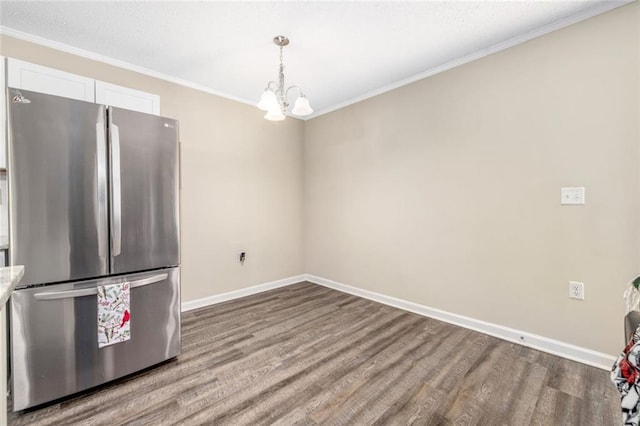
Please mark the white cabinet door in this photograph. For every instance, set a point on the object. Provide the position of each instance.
(28, 76)
(3, 117)
(124, 97)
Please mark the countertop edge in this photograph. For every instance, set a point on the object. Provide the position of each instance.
(10, 276)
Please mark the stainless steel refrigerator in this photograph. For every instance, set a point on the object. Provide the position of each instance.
(93, 194)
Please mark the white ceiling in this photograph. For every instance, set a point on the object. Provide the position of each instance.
(339, 52)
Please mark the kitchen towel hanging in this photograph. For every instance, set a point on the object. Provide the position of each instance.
(114, 314)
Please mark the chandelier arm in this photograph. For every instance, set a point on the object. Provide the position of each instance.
(294, 87)
(274, 89)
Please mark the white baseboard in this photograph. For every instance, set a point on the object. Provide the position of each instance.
(545, 344)
(236, 294)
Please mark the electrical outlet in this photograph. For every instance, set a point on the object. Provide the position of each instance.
(576, 290)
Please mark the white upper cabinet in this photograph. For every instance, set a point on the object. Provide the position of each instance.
(124, 97)
(3, 117)
(36, 78)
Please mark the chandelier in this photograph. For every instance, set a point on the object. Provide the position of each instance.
(274, 98)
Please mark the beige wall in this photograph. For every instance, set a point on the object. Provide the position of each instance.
(446, 192)
(242, 178)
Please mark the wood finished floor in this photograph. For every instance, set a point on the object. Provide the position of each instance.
(309, 355)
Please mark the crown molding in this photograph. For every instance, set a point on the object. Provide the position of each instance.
(20, 35)
(538, 32)
(570, 20)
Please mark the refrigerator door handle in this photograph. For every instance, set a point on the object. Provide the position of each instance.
(116, 190)
(101, 186)
(53, 295)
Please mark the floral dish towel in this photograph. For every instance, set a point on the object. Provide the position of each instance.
(114, 314)
(625, 375)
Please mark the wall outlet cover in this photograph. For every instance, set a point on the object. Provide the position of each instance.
(572, 195)
(576, 290)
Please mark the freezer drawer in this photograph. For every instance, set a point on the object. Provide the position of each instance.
(54, 343)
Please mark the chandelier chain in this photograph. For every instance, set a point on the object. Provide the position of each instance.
(281, 56)
(283, 101)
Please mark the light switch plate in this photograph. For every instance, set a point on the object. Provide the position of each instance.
(572, 195)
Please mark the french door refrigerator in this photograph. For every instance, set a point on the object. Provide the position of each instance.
(93, 201)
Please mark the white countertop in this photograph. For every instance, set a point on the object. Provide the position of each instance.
(10, 276)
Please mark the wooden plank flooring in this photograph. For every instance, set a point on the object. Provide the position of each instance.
(306, 355)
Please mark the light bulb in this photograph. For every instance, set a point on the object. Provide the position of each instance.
(302, 107)
(274, 114)
(268, 100)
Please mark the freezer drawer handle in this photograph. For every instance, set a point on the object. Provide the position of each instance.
(89, 291)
